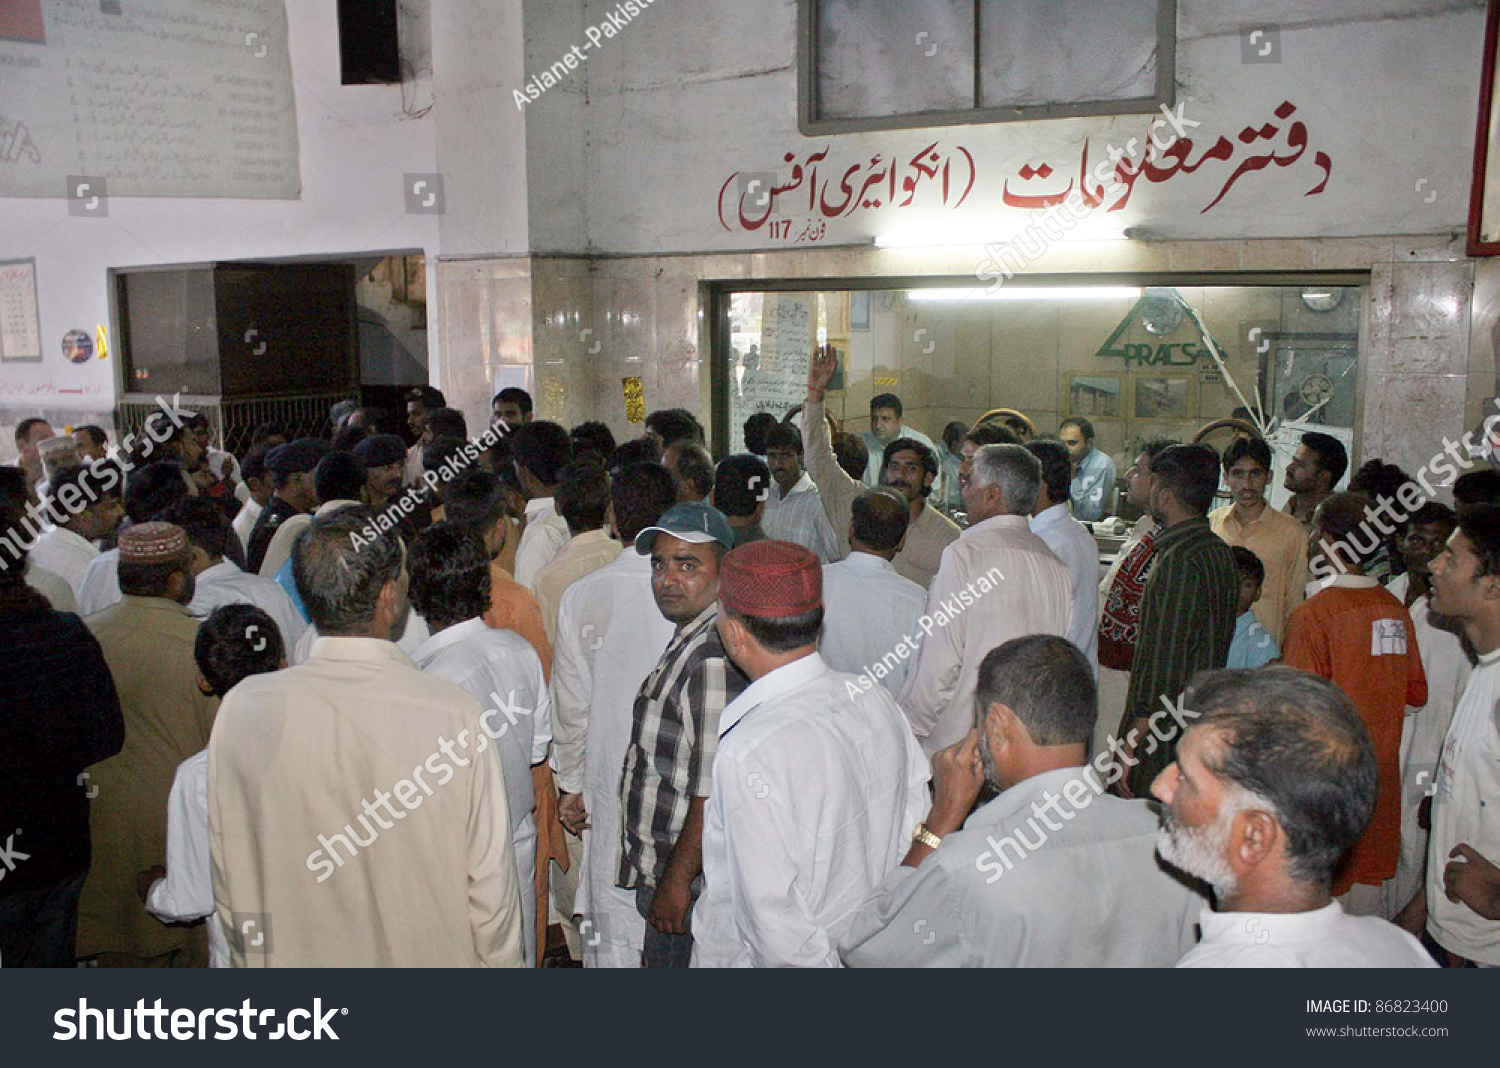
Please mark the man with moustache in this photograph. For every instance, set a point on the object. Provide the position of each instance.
(1316, 467)
(1052, 873)
(668, 769)
(1272, 783)
(907, 464)
(1463, 881)
(1277, 540)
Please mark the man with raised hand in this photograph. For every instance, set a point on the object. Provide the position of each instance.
(906, 464)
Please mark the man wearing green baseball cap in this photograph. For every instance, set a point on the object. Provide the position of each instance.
(668, 767)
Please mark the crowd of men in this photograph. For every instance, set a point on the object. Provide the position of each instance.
(840, 699)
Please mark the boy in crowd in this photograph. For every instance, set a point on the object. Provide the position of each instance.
(1253, 644)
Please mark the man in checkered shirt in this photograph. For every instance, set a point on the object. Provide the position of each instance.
(668, 766)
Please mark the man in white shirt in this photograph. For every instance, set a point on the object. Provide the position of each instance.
(797, 831)
(1446, 664)
(998, 581)
(421, 402)
(233, 643)
(295, 757)
(450, 587)
(83, 512)
(887, 424)
(1273, 782)
(218, 581)
(1071, 541)
(1463, 884)
(870, 613)
(259, 487)
(610, 635)
(1053, 872)
(541, 450)
(794, 507)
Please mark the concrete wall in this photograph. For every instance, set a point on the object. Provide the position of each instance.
(357, 143)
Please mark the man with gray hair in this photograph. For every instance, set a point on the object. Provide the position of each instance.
(1272, 784)
(998, 581)
(297, 757)
(1051, 873)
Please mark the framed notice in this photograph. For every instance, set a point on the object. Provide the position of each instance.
(20, 321)
(1484, 192)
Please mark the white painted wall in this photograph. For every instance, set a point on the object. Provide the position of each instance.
(357, 142)
(693, 92)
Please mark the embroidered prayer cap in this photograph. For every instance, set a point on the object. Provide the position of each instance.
(152, 543)
(771, 580)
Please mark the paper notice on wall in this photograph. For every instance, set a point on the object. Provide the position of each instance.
(775, 380)
(20, 321)
(179, 98)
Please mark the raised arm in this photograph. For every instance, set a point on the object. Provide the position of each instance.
(833, 482)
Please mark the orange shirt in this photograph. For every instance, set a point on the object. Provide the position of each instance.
(513, 608)
(1357, 635)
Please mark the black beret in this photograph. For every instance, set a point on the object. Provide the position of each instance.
(296, 456)
(378, 450)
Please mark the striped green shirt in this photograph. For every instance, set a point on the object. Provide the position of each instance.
(1186, 625)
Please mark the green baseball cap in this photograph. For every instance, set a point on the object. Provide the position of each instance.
(691, 521)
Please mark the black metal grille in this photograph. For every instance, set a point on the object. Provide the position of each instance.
(231, 422)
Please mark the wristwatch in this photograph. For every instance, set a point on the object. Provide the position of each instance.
(926, 837)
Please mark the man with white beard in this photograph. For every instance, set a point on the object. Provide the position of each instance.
(1272, 783)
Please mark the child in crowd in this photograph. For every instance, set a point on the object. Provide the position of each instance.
(234, 642)
(1253, 644)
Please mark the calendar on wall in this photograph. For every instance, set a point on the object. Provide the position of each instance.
(20, 321)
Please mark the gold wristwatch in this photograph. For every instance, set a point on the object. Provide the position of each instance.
(926, 837)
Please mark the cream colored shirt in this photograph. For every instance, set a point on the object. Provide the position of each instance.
(999, 581)
(354, 818)
(926, 538)
(1281, 544)
(582, 555)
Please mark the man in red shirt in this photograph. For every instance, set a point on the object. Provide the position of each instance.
(1353, 632)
